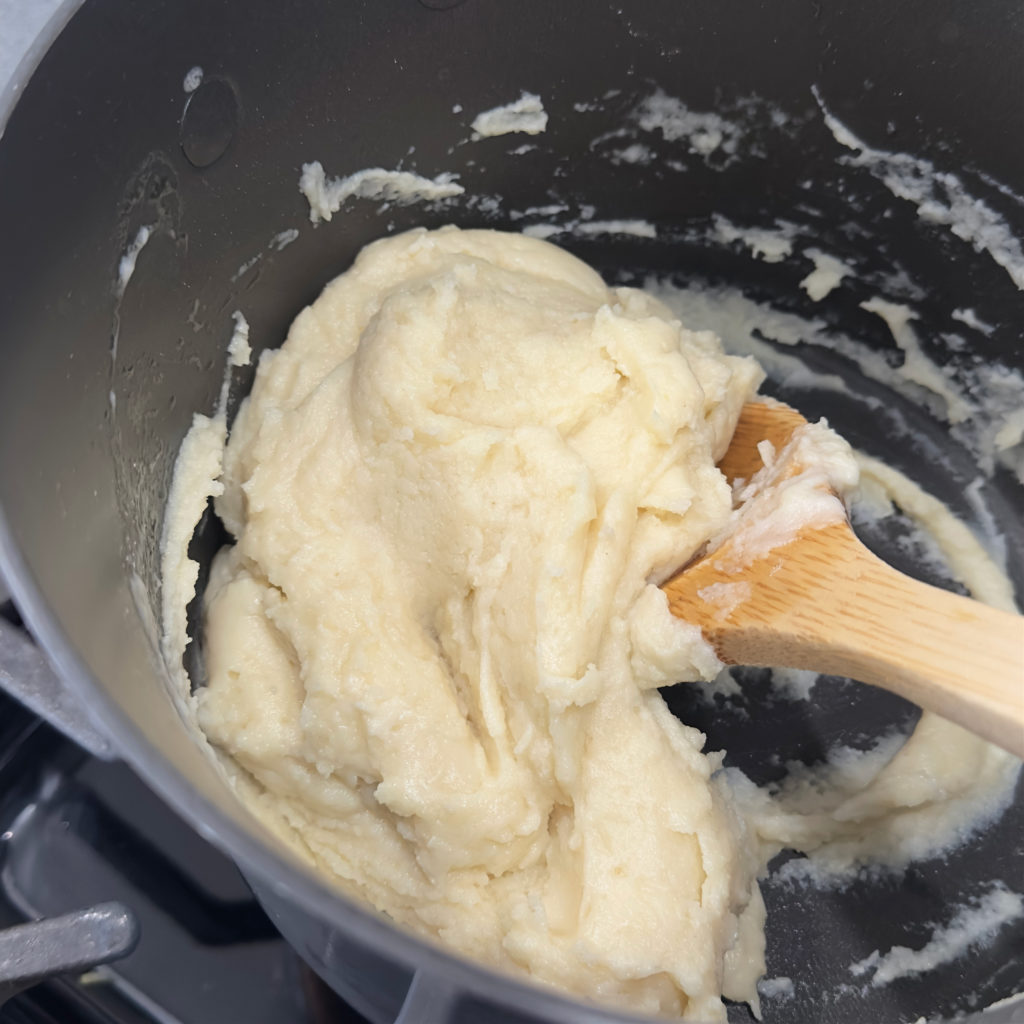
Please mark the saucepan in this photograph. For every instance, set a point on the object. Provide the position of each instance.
(149, 189)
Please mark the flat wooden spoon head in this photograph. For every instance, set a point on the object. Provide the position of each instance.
(822, 601)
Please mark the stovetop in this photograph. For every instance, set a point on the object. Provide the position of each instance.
(76, 831)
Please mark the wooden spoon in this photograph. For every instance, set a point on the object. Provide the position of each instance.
(824, 602)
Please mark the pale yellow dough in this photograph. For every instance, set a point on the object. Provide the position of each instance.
(435, 648)
(436, 645)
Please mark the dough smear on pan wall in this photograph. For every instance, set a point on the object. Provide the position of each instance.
(434, 650)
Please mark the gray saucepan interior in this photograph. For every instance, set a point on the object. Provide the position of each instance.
(99, 383)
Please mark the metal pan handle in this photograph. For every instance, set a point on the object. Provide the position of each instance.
(76, 942)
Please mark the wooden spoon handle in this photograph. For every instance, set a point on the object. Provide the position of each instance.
(834, 607)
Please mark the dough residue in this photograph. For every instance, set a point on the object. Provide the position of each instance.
(972, 320)
(239, 350)
(941, 197)
(769, 244)
(776, 988)
(971, 925)
(917, 367)
(580, 226)
(704, 132)
(526, 115)
(326, 196)
(126, 264)
(799, 488)
(827, 275)
(993, 392)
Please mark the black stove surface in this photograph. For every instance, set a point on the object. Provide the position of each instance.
(76, 831)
